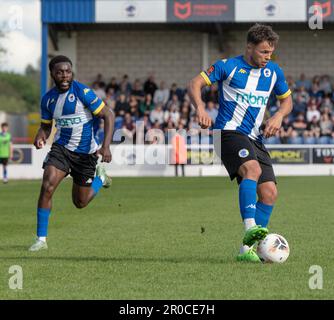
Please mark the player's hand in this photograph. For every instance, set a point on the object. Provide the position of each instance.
(39, 142)
(203, 119)
(105, 154)
(273, 125)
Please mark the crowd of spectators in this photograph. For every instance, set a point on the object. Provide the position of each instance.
(162, 107)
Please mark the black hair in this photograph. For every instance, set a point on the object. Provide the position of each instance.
(4, 124)
(261, 32)
(58, 59)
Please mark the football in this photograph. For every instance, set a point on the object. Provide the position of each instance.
(273, 248)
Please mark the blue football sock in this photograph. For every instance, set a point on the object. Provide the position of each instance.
(97, 184)
(42, 222)
(4, 172)
(247, 198)
(263, 213)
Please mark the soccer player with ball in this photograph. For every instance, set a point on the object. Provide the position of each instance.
(245, 83)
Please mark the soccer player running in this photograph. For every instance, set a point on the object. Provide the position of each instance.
(6, 150)
(75, 109)
(245, 84)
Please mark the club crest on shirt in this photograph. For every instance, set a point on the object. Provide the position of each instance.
(243, 153)
(267, 72)
(71, 97)
(210, 70)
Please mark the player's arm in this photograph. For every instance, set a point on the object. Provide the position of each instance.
(42, 135)
(195, 94)
(109, 119)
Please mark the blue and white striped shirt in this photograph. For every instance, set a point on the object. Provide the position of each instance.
(74, 113)
(244, 91)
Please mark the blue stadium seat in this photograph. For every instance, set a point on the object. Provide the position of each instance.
(310, 140)
(272, 140)
(296, 140)
(118, 122)
(324, 140)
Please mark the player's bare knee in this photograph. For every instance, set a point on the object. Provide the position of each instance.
(47, 189)
(79, 204)
(269, 195)
(250, 170)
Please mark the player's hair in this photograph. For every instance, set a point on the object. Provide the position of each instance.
(58, 59)
(261, 32)
(4, 124)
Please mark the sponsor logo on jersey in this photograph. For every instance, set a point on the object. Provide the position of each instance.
(242, 71)
(252, 99)
(68, 122)
(86, 90)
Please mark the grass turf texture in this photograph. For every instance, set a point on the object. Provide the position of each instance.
(164, 238)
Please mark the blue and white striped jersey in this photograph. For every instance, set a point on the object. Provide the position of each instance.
(244, 91)
(74, 112)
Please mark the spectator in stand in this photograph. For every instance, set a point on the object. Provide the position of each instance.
(175, 102)
(161, 95)
(315, 91)
(212, 111)
(326, 125)
(304, 94)
(303, 82)
(134, 106)
(129, 127)
(157, 114)
(99, 80)
(286, 130)
(327, 104)
(291, 83)
(312, 111)
(172, 114)
(146, 106)
(113, 84)
(185, 113)
(122, 106)
(150, 86)
(110, 99)
(99, 91)
(299, 106)
(273, 107)
(312, 131)
(138, 91)
(125, 85)
(325, 85)
(299, 125)
(175, 90)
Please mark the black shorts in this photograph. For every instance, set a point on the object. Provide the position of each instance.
(236, 148)
(80, 166)
(4, 161)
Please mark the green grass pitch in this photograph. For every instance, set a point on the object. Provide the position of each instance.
(164, 238)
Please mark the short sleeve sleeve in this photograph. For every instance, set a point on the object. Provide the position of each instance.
(91, 100)
(281, 88)
(215, 73)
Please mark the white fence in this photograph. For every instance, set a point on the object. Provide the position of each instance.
(153, 160)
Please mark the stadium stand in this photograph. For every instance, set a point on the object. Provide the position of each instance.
(311, 122)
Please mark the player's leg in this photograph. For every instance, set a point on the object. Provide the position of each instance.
(267, 195)
(87, 184)
(267, 190)
(4, 170)
(51, 178)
